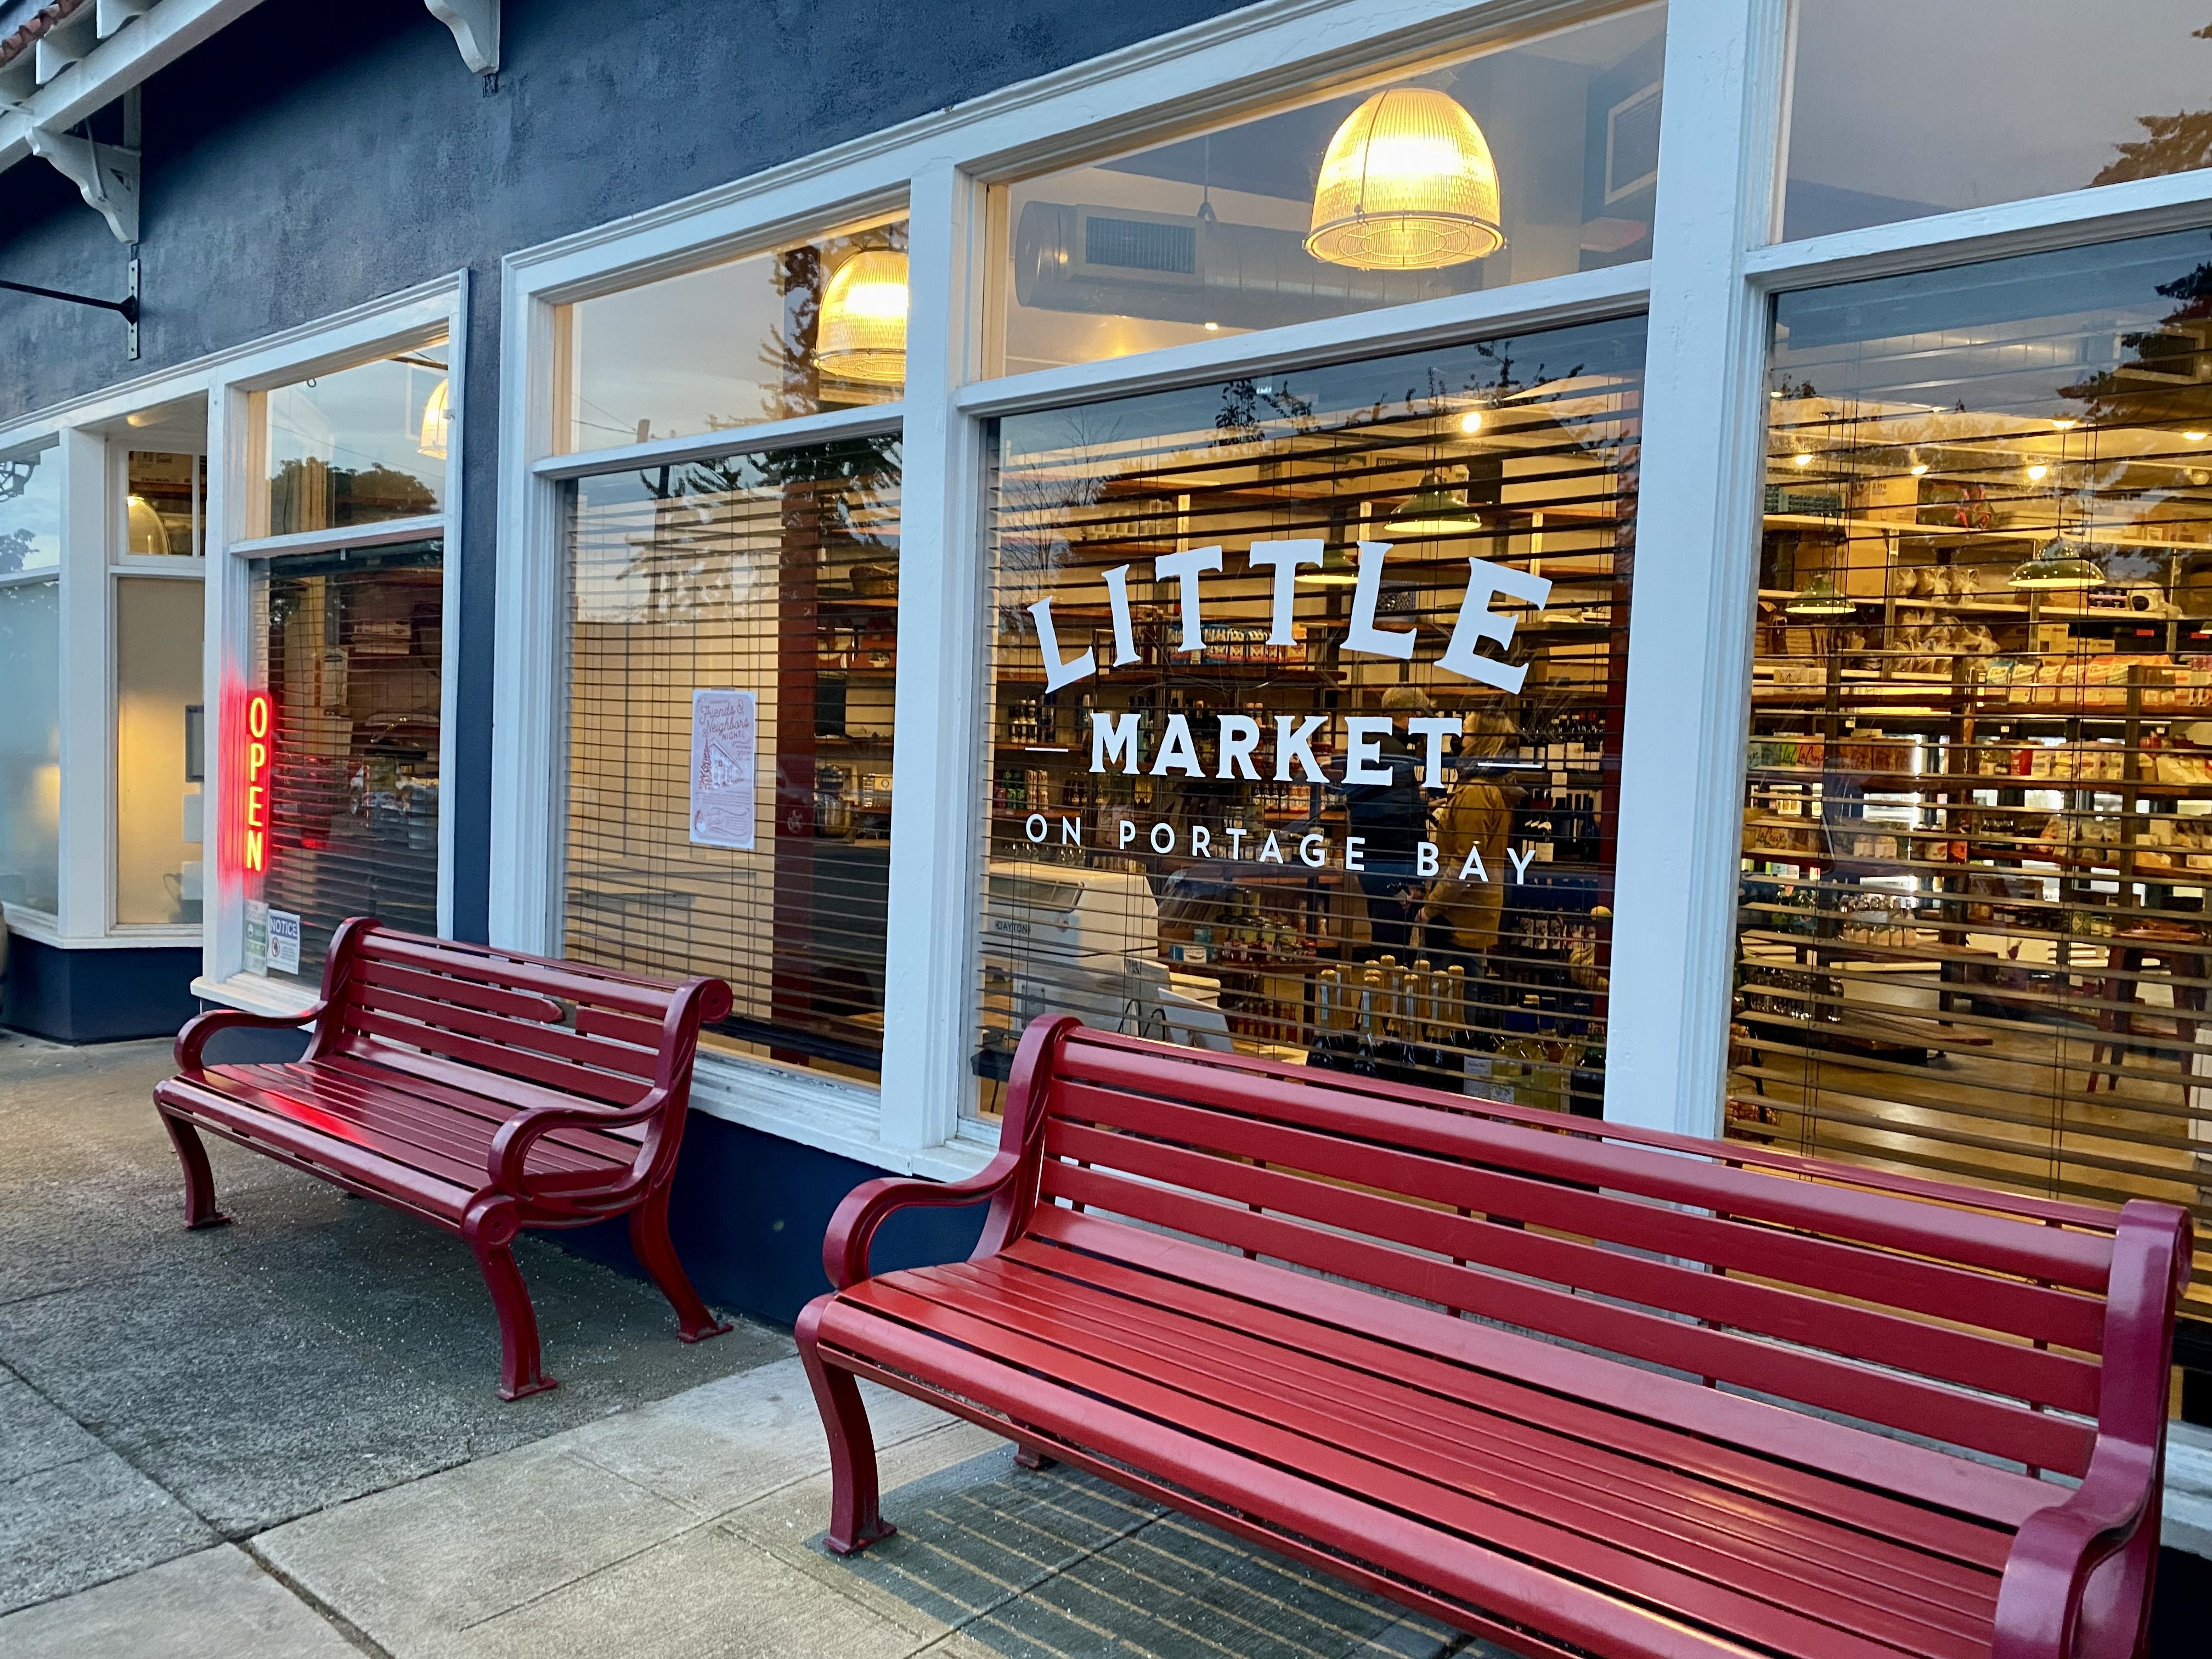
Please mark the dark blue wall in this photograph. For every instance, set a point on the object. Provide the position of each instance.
(313, 157)
(97, 996)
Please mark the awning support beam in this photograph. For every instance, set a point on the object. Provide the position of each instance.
(475, 24)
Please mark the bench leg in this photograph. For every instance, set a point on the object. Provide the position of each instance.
(1029, 1457)
(199, 1180)
(854, 1519)
(489, 1227)
(648, 1237)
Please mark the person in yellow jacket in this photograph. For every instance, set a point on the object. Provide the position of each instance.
(1462, 919)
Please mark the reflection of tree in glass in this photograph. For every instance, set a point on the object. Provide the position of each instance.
(312, 494)
(15, 550)
(2159, 381)
(2172, 144)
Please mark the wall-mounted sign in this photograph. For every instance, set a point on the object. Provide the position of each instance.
(284, 937)
(725, 760)
(255, 853)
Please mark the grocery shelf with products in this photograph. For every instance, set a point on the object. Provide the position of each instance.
(1973, 935)
(1176, 841)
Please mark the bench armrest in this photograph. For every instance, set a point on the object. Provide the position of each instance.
(510, 1148)
(868, 1206)
(2046, 1608)
(192, 1039)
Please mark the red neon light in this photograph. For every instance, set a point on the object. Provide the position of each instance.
(257, 782)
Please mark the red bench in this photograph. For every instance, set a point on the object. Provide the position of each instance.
(484, 1090)
(1573, 1388)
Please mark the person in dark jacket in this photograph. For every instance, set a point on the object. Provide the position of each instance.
(1393, 818)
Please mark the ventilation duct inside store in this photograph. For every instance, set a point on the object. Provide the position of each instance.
(1187, 269)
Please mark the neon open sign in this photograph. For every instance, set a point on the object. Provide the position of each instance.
(257, 782)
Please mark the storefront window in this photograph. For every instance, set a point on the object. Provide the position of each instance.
(1978, 838)
(158, 764)
(1305, 715)
(1512, 165)
(356, 445)
(30, 742)
(30, 509)
(1899, 109)
(164, 506)
(335, 750)
(818, 325)
(735, 651)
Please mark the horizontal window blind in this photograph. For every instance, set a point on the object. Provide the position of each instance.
(347, 652)
(1176, 845)
(735, 648)
(1977, 826)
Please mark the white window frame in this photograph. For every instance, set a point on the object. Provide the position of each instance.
(1706, 291)
(47, 925)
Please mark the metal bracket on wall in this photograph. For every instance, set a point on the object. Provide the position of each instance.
(126, 308)
(105, 175)
(475, 24)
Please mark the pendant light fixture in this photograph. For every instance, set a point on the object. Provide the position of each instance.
(1819, 597)
(1337, 568)
(2059, 566)
(1406, 184)
(862, 336)
(437, 420)
(1433, 510)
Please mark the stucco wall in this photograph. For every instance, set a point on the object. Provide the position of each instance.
(313, 155)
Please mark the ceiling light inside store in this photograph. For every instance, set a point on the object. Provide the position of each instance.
(437, 421)
(1471, 423)
(2196, 437)
(1336, 569)
(2057, 567)
(1432, 510)
(2038, 473)
(862, 336)
(1406, 184)
(1919, 469)
(1803, 458)
(2064, 423)
(1819, 597)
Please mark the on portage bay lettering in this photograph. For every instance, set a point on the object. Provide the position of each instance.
(1312, 847)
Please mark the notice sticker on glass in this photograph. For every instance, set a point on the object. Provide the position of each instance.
(725, 757)
(283, 942)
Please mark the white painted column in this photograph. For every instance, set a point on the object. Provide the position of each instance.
(1697, 547)
(929, 967)
(225, 652)
(87, 779)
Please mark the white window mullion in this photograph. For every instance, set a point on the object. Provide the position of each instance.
(87, 774)
(929, 1011)
(1697, 540)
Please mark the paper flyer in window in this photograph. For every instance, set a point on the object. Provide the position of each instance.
(725, 759)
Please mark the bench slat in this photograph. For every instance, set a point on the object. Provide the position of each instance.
(1959, 1419)
(1444, 1514)
(1604, 1437)
(1320, 1138)
(466, 993)
(553, 1040)
(493, 1060)
(2002, 1497)
(1395, 1427)
(2082, 1260)
(572, 983)
(404, 1112)
(1953, 1356)
(463, 1088)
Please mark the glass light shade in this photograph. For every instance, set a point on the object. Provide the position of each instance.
(144, 532)
(1819, 597)
(1336, 569)
(2057, 567)
(1406, 184)
(1432, 510)
(863, 331)
(437, 420)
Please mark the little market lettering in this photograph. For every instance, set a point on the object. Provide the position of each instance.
(1475, 622)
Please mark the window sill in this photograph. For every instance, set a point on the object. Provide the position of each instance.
(830, 1114)
(254, 994)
